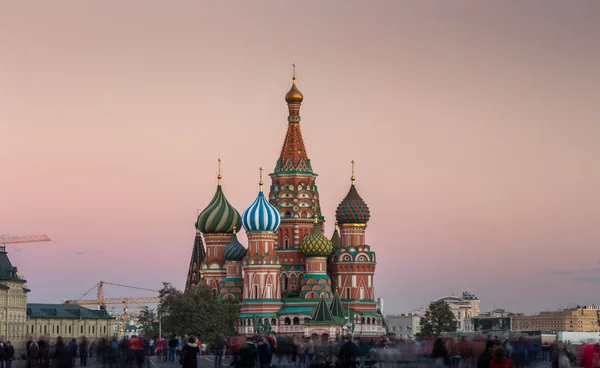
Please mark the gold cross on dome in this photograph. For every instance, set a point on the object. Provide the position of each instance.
(219, 177)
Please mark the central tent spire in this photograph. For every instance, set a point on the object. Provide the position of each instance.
(293, 157)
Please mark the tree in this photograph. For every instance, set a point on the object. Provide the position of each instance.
(148, 321)
(438, 318)
(196, 312)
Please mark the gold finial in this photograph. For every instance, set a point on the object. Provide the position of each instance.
(353, 178)
(260, 183)
(336, 226)
(219, 177)
(201, 274)
(294, 71)
(316, 219)
(234, 228)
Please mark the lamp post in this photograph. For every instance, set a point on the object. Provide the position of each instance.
(159, 320)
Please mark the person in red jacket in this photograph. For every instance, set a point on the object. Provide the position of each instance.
(500, 360)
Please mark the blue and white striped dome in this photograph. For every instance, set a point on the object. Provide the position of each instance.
(261, 216)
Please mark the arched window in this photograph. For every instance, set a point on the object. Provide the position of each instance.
(296, 321)
(288, 214)
(273, 322)
(256, 292)
(287, 321)
(368, 320)
(286, 243)
(362, 320)
(293, 280)
(284, 282)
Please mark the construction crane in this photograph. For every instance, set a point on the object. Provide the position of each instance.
(126, 302)
(8, 239)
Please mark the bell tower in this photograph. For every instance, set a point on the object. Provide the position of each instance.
(294, 194)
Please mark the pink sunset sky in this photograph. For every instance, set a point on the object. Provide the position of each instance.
(474, 125)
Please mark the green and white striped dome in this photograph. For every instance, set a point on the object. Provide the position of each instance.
(219, 217)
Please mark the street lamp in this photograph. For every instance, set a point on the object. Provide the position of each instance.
(159, 320)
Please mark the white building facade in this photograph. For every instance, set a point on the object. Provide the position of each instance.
(404, 326)
(464, 308)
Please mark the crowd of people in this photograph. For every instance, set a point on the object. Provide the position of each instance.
(109, 352)
(474, 352)
(265, 351)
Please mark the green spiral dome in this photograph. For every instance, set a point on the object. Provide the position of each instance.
(219, 217)
(316, 244)
(234, 251)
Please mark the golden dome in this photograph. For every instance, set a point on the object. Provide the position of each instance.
(294, 96)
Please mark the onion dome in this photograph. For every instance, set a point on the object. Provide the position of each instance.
(294, 96)
(219, 217)
(352, 210)
(261, 215)
(316, 244)
(234, 251)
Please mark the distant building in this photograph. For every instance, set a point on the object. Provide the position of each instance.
(489, 324)
(67, 320)
(13, 302)
(463, 307)
(579, 319)
(404, 326)
(496, 313)
(130, 330)
(496, 320)
(20, 320)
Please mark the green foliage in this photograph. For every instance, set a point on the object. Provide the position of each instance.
(148, 321)
(196, 312)
(438, 318)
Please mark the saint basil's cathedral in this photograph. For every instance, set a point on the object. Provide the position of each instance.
(291, 278)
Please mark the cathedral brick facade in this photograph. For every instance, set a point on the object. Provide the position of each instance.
(291, 279)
